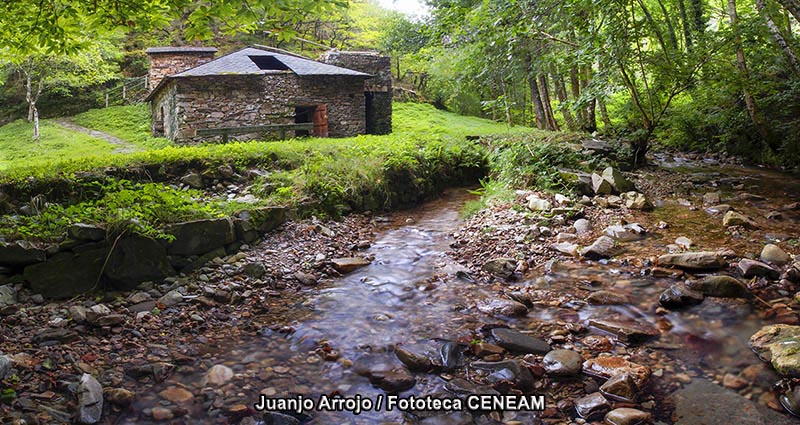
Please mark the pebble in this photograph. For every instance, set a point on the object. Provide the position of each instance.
(563, 363)
(218, 375)
(626, 416)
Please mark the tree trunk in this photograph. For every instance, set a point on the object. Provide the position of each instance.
(575, 85)
(601, 104)
(548, 107)
(29, 96)
(698, 20)
(538, 108)
(35, 123)
(561, 94)
(687, 33)
(776, 34)
(590, 119)
(673, 38)
(741, 63)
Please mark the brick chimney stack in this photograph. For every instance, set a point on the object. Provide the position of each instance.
(165, 61)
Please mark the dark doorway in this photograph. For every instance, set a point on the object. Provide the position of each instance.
(316, 114)
(303, 115)
(370, 99)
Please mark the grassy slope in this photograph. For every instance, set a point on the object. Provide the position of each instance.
(411, 121)
(17, 149)
(130, 123)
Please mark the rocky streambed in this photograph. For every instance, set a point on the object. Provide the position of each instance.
(666, 299)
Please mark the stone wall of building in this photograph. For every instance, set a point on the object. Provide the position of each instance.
(193, 103)
(165, 61)
(378, 88)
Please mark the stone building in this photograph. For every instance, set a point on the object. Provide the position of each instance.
(251, 91)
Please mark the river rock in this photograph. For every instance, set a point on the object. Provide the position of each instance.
(626, 416)
(416, 360)
(636, 201)
(507, 370)
(607, 298)
(702, 260)
(607, 367)
(773, 254)
(683, 242)
(119, 397)
(200, 236)
(137, 259)
(718, 209)
(393, 381)
(601, 186)
(349, 264)
(618, 182)
(620, 387)
(592, 406)
(90, 400)
(515, 341)
(86, 232)
(567, 248)
(255, 270)
(218, 375)
(538, 204)
(162, 413)
(720, 286)
(65, 274)
(712, 198)
(626, 233)
(704, 403)
(483, 350)
(503, 307)
(626, 331)
(678, 295)
(603, 247)
(193, 180)
(562, 363)
(752, 268)
(582, 226)
(177, 395)
(8, 296)
(5, 366)
(780, 345)
(20, 253)
(501, 267)
(733, 218)
(463, 387)
(171, 298)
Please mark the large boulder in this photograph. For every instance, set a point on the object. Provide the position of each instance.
(779, 345)
(264, 219)
(617, 181)
(137, 259)
(773, 254)
(601, 186)
(603, 247)
(67, 274)
(704, 403)
(86, 232)
(20, 253)
(720, 286)
(733, 218)
(201, 236)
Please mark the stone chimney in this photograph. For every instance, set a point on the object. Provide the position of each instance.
(378, 89)
(165, 61)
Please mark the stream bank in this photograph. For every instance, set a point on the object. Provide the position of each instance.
(427, 317)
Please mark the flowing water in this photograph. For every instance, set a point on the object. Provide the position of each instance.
(409, 295)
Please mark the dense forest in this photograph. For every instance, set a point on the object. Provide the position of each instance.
(693, 74)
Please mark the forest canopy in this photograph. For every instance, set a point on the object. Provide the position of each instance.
(694, 74)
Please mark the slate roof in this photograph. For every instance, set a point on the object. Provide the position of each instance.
(239, 63)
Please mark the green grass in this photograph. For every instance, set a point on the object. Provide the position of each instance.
(427, 152)
(130, 123)
(422, 118)
(17, 148)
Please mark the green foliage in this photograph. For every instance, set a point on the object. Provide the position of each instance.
(533, 160)
(130, 123)
(124, 206)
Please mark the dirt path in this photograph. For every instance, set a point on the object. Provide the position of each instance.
(120, 146)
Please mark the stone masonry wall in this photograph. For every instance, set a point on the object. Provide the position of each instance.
(234, 101)
(165, 64)
(379, 87)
